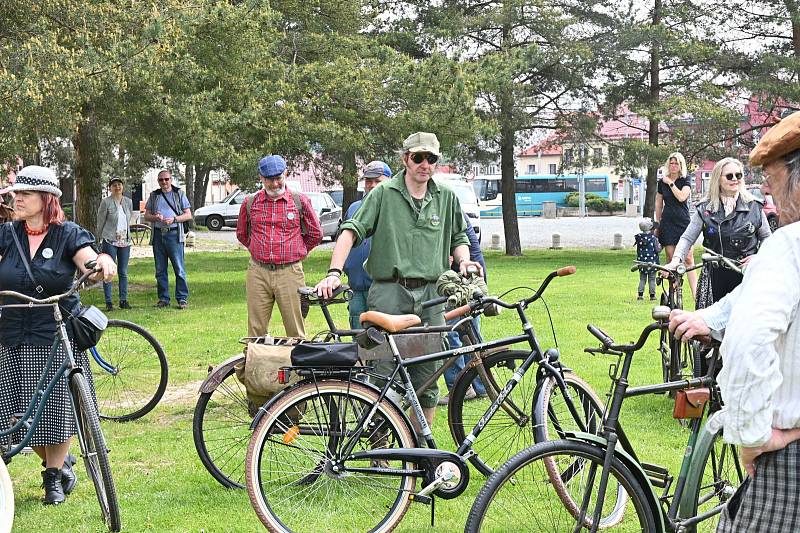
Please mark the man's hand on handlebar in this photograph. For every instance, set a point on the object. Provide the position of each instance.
(686, 325)
(466, 268)
(325, 288)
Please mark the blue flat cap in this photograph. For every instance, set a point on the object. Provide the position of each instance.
(271, 165)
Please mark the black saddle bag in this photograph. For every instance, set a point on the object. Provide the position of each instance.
(341, 354)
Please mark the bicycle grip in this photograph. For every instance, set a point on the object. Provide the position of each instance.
(634, 268)
(566, 271)
(457, 312)
(436, 301)
(601, 336)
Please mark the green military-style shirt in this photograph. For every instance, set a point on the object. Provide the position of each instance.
(407, 243)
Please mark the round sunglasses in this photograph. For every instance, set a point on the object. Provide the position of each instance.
(730, 176)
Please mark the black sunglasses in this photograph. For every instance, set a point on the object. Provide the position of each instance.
(419, 157)
(164, 179)
(731, 176)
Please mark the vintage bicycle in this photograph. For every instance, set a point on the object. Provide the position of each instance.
(335, 449)
(575, 484)
(90, 435)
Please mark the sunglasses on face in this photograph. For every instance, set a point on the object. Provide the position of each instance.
(419, 157)
(733, 176)
(164, 179)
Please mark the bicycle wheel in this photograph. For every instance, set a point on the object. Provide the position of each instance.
(296, 476)
(221, 430)
(130, 371)
(520, 497)
(6, 500)
(510, 429)
(93, 450)
(553, 419)
(723, 472)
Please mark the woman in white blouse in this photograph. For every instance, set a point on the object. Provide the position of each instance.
(113, 231)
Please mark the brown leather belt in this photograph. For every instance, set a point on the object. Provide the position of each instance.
(271, 266)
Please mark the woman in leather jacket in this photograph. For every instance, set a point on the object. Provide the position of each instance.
(733, 224)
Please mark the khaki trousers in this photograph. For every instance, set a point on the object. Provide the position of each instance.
(264, 288)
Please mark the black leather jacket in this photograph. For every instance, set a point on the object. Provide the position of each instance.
(734, 236)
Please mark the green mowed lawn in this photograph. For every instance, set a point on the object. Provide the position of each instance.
(162, 485)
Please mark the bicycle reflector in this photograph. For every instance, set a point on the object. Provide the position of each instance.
(283, 376)
(291, 434)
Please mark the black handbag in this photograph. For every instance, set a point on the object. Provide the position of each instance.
(88, 324)
(342, 354)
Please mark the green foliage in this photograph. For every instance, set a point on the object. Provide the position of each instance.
(594, 202)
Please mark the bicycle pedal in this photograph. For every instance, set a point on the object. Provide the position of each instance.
(427, 500)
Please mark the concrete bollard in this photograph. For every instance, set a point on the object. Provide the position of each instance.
(495, 241)
(617, 245)
(556, 242)
(190, 239)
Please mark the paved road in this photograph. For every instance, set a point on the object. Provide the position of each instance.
(535, 232)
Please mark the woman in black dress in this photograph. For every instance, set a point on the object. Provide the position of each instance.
(55, 249)
(672, 209)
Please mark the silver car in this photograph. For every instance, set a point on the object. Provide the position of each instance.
(329, 214)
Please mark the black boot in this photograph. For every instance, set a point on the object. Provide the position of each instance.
(68, 477)
(51, 482)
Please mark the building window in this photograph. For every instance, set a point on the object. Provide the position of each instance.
(531, 169)
(553, 168)
(492, 170)
(598, 157)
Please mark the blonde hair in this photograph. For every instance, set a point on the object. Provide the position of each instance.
(714, 184)
(677, 156)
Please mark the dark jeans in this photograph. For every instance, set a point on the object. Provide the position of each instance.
(166, 246)
(121, 256)
(453, 370)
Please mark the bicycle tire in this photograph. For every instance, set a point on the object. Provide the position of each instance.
(306, 426)
(553, 420)
(514, 498)
(497, 442)
(221, 431)
(94, 450)
(140, 372)
(722, 475)
(6, 500)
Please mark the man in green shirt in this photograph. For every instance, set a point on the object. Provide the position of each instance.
(416, 227)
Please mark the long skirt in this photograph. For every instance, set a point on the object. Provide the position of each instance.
(20, 369)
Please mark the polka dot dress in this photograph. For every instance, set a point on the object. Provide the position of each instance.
(20, 370)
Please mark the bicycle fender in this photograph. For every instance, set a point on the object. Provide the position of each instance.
(218, 373)
(632, 465)
(263, 409)
(705, 440)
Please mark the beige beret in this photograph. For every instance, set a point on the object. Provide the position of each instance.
(782, 138)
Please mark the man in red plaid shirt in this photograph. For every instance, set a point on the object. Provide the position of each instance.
(278, 238)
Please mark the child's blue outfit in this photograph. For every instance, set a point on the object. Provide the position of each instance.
(647, 248)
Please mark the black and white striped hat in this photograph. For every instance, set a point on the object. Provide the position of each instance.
(36, 178)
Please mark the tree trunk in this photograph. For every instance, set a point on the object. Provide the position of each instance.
(653, 118)
(88, 164)
(190, 188)
(349, 181)
(507, 184)
(201, 176)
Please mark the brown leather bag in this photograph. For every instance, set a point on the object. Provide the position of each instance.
(689, 403)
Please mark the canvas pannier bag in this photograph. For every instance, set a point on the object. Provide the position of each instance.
(259, 372)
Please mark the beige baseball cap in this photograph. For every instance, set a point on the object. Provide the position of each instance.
(422, 141)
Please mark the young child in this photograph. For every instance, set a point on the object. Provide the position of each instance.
(647, 249)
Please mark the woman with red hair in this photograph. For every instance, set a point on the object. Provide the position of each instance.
(53, 249)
